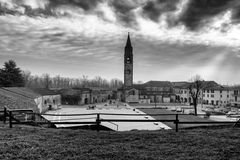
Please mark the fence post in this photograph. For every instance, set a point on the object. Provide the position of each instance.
(4, 115)
(10, 119)
(98, 122)
(176, 122)
(33, 117)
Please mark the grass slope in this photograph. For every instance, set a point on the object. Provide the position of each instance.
(36, 143)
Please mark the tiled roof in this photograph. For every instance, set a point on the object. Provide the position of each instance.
(158, 84)
(30, 92)
(27, 92)
(43, 91)
(181, 85)
(81, 89)
(15, 100)
(212, 85)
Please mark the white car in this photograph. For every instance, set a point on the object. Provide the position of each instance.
(231, 113)
(179, 109)
(192, 112)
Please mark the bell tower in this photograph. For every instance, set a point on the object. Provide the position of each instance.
(128, 63)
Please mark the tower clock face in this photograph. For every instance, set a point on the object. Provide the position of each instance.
(128, 60)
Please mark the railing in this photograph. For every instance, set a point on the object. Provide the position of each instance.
(9, 113)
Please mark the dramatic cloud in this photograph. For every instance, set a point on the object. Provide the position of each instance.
(201, 33)
(154, 9)
(199, 12)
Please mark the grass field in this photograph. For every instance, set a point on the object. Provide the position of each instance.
(38, 143)
(182, 117)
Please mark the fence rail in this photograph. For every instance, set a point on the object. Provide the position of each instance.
(12, 120)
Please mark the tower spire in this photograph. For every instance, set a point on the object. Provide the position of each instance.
(128, 63)
(128, 44)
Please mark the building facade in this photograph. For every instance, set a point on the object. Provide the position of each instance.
(39, 100)
(82, 96)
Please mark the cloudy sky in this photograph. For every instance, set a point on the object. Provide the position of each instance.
(172, 39)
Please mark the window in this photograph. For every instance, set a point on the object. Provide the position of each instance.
(212, 102)
(235, 92)
(208, 95)
(212, 91)
(221, 96)
(212, 95)
(185, 91)
(227, 96)
(235, 98)
(220, 91)
(203, 95)
(128, 60)
(45, 102)
(207, 91)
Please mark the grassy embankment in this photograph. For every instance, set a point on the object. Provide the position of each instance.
(38, 143)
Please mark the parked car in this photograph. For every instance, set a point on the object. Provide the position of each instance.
(163, 107)
(191, 112)
(224, 110)
(179, 109)
(209, 110)
(231, 113)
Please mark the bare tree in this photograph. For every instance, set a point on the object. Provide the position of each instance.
(27, 78)
(46, 80)
(195, 88)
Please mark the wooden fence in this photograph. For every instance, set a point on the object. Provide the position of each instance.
(9, 113)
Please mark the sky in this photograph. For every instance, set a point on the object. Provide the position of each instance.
(172, 40)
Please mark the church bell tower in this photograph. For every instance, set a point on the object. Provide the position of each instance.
(128, 63)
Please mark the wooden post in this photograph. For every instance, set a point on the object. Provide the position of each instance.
(98, 122)
(10, 119)
(4, 115)
(176, 122)
(33, 117)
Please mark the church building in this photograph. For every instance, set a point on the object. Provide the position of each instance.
(149, 92)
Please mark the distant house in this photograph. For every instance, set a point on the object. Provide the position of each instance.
(211, 94)
(181, 90)
(81, 96)
(75, 96)
(235, 96)
(38, 99)
(149, 92)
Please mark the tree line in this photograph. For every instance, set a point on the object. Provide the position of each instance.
(12, 76)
